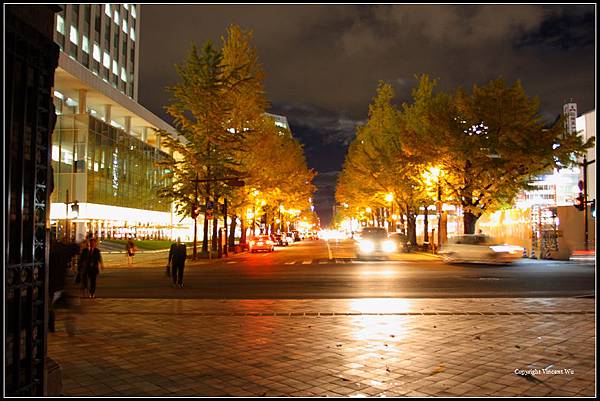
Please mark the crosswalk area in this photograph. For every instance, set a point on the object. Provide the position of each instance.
(334, 261)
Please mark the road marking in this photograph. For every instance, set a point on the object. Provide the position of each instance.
(290, 263)
(322, 262)
(306, 262)
(329, 249)
(231, 262)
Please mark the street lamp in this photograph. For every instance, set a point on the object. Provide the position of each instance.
(74, 210)
(390, 199)
(436, 173)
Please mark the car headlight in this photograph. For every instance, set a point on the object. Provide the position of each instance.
(366, 246)
(512, 249)
(388, 246)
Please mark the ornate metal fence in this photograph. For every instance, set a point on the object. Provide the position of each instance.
(31, 58)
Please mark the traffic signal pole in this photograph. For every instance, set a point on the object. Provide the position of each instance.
(585, 208)
(585, 201)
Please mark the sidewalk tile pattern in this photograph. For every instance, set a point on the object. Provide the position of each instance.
(358, 347)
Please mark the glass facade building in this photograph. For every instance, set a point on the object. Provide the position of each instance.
(110, 166)
(106, 147)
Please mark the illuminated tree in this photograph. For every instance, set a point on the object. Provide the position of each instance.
(490, 142)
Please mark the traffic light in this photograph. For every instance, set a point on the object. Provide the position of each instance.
(579, 202)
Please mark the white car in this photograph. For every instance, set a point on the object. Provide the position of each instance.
(479, 248)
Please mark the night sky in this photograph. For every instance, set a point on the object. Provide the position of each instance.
(323, 62)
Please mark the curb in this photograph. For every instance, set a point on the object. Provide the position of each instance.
(427, 254)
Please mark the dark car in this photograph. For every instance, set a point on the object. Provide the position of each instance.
(374, 242)
(402, 242)
(280, 240)
(296, 236)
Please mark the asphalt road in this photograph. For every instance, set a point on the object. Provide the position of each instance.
(322, 270)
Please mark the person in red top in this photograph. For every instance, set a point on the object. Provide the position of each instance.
(131, 250)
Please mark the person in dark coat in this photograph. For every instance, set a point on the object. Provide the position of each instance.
(91, 265)
(61, 255)
(177, 257)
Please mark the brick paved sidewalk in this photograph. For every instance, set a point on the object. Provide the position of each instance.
(358, 347)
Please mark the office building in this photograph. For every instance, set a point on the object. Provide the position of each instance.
(105, 147)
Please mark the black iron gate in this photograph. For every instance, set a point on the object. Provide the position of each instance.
(31, 58)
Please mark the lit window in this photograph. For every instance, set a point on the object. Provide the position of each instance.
(55, 153)
(96, 52)
(123, 75)
(73, 35)
(85, 45)
(132, 34)
(115, 68)
(125, 26)
(133, 11)
(107, 10)
(60, 24)
(106, 60)
(116, 17)
(126, 6)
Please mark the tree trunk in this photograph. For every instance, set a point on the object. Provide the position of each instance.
(205, 231)
(232, 231)
(469, 220)
(426, 226)
(215, 234)
(411, 227)
(243, 229)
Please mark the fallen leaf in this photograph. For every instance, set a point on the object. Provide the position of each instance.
(338, 345)
(387, 368)
(391, 335)
(439, 369)
(518, 346)
(385, 345)
(478, 337)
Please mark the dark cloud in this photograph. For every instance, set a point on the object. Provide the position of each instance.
(323, 62)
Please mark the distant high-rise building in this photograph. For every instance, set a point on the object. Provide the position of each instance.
(570, 112)
(557, 187)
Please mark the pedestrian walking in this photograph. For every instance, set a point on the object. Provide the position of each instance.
(92, 264)
(177, 257)
(131, 250)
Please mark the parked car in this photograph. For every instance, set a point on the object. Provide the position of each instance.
(401, 240)
(280, 240)
(479, 248)
(261, 243)
(374, 242)
(297, 236)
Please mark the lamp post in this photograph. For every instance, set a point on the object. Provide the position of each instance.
(74, 209)
(390, 199)
(436, 173)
